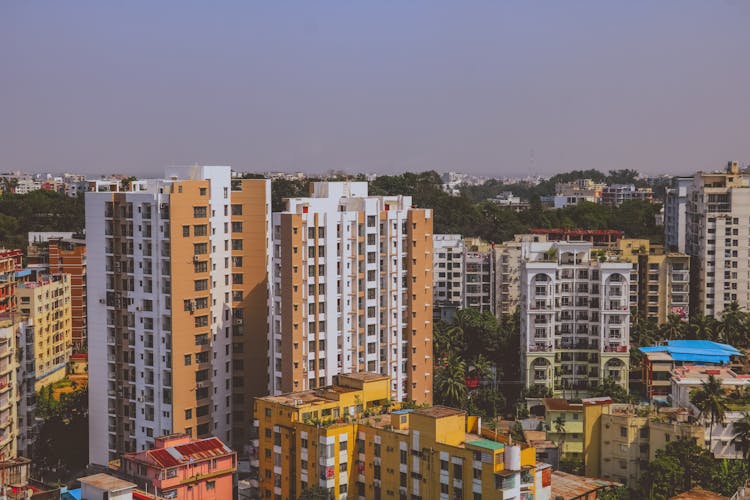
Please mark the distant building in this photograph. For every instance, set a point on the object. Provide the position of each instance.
(616, 194)
(181, 468)
(662, 280)
(573, 193)
(675, 215)
(508, 260)
(598, 237)
(716, 237)
(448, 275)
(479, 275)
(508, 200)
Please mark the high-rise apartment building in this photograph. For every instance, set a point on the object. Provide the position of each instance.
(46, 303)
(675, 217)
(716, 238)
(575, 317)
(164, 353)
(9, 326)
(352, 290)
(339, 438)
(662, 280)
(448, 275)
(479, 275)
(508, 262)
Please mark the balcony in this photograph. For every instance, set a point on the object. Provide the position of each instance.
(615, 348)
(540, 348)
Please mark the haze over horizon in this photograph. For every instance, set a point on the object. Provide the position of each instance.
(488, 88)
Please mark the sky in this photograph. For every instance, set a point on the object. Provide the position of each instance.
(484, 87)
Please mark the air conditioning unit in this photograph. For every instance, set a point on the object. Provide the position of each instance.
(195, 258)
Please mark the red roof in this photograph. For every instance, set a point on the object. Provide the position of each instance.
(173, 456)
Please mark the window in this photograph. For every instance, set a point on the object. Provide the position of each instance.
(236, 209)
(200, 212)
(236, 244)
(185, 231)
(188, 414)
(623, 432)
(203, 191)
(210, 485)
(188, 360)
(236, 227)
(200, 248)
(201, 285)
(200, 230)
(201, 266)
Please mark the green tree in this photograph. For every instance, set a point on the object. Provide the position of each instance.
(316, 493)
(673, 328)
(702, 327)
(711, 402)
(741, 436)
(450, 383)
(610, 388)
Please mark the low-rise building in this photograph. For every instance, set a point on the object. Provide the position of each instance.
(598, 237)
(719, 437)
(616, 194)
(179, 467)
(660, 360)
(345, 439)
(564, 424)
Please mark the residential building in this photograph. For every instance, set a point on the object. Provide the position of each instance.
(719, 438)
(508, 260)
(508, 200)
(18, 483)
(573, 193)
(352, 290)
(598, 237)
(57, 253)
(662, 280)
(338, 438)
(675, 214)
(716, 236)
(621, 439)
(616, 194)
(660, 360)
(164, 256)
(564, 424)
(575, 317)
(479, 275)
(448, 275)
(181, 468)
(46, 302)
(572, 487)
(10, 322)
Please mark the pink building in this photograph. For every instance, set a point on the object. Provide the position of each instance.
(179, 467)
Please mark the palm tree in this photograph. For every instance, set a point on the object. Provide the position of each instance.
(674, 328)
(559, 424)
(451, 382)
(742, 435)
(702, 327)
(733, 325)
(711, 402)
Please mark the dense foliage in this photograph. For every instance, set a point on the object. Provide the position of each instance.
(37, 211)
(470, 215)
(683, 465)
(476, 347)
(61, 447)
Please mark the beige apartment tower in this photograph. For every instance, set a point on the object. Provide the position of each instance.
(716, 238)
(352, 291)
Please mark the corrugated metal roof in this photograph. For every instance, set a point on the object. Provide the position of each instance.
(173, 456)
(695, 351)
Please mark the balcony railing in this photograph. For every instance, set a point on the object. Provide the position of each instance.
(615, 348)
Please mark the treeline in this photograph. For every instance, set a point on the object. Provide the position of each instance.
(469, 215)
(37, 211)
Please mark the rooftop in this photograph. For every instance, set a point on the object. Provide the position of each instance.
(439, 411)
(699, 493)
(486, 443)
(692, 351)
(569, 486)
(173, 456)
(365, 376)
(107, 482)
(697, 374)
(558, 404)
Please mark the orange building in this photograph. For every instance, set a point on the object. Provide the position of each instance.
(69, 256)
(10, 262)
(179, 467)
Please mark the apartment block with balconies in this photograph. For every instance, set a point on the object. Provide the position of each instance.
(575, 317)
(352, 290)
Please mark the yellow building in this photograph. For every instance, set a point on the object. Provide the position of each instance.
(47, 304)
(663, 279)
(344, 439)
(564, 423)
(622, 439)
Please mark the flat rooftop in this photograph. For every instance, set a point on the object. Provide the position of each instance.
(691, 351)
(697, 374)
(365, 376)
(439, 411)
(107, 482)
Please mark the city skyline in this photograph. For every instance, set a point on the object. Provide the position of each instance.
(489, 89)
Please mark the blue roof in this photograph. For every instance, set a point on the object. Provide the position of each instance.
(695, 351)
(23, 272)
(72, 495)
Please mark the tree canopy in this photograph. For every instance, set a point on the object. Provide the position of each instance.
(37, 211)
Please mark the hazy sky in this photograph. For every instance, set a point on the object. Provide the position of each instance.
(488, 87)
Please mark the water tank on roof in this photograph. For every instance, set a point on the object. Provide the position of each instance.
(513, 457)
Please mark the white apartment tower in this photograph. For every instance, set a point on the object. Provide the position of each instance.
(575, 317)
(448, 275)
(352, 290)
(716, 238)
(675, 218)
(161, 266)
